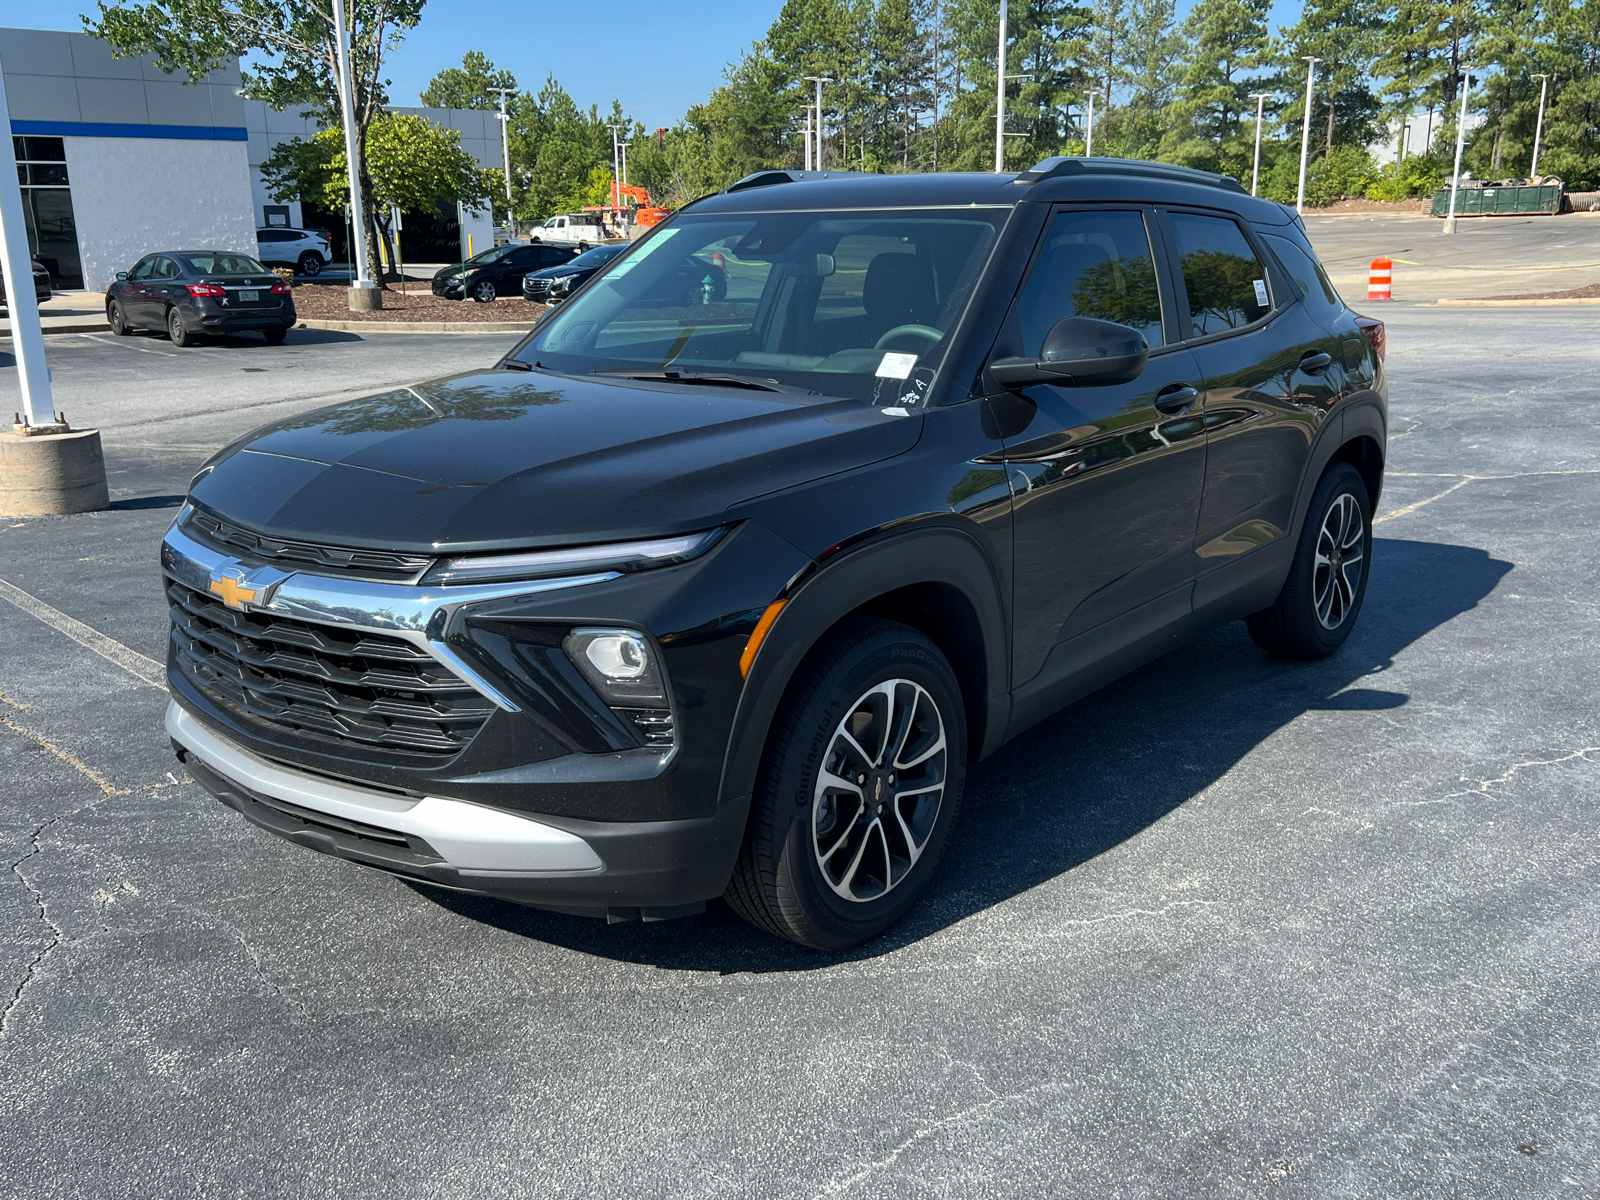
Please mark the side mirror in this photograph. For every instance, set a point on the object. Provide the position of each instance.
(1078, 352)
(122, 274)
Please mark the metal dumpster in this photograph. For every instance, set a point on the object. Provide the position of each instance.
(1508, 197)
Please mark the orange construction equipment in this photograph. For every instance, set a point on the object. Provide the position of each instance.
(1379, 278)
(646, 217)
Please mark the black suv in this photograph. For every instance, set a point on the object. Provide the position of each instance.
(715, 591)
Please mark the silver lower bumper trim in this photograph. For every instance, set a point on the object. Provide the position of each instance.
(473, 839)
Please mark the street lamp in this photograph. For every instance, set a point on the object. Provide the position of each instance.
(1461, 140)
(364, 294)
(1255, 174)
(1405, 135)
(1538, 129)
(624, 149)
(1305, 131)
(1000, 97)
(819, 80)
(616, 169)
(27, 336)
(1088, 129)
(505, 139)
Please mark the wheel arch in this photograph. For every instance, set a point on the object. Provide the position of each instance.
(938, 581)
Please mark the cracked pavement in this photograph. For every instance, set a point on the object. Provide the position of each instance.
(1230, 927)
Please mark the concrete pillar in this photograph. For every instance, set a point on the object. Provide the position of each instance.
(48, 473)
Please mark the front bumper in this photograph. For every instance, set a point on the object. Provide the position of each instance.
(449, 289)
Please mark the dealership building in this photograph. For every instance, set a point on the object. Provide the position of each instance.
(117, 159)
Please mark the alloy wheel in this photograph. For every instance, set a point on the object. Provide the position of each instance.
(1340, 558)
(878, 792)
(483, 291)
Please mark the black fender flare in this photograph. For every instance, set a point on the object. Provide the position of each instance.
(820, 599)
(1362, 418)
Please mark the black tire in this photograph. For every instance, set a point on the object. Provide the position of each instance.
(484, 291)
(780, 883)
(274, 336)
(117, 321)
(176, 329)
(310, 264)
(1327, 582)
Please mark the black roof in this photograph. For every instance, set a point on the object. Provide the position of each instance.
(1054, 179)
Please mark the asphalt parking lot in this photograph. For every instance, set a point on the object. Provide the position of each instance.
(1231, 927)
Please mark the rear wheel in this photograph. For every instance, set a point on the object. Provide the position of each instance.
(310, 263)
(484, 291)
(176, 330)
(274, 336)
(1327, 582)
(858, 790)
(117, 321)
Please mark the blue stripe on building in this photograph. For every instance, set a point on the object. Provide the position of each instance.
(192, 133)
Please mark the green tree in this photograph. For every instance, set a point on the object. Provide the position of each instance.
(1571, 54)
(471, 85)
(1227, 45)
(1344, 35)
(291, 43)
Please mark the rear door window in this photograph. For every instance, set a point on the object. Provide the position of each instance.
(1092, 264)
(1226, 283)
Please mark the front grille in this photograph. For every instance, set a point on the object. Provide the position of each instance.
(375, 564)
(362, 693)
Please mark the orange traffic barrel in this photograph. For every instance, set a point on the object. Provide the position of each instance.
(1379, 278)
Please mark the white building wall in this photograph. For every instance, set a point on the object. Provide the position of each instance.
(134, 196)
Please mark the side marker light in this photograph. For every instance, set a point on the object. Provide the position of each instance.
(759, 635)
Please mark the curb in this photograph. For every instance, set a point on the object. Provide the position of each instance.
(418, 326)
(96, 326)
(1517, 303)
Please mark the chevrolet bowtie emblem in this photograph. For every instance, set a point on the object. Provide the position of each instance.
(234, 594)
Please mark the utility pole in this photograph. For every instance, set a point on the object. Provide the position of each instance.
(505, 140)
(1088, 129)
(819, 80)
(1000, 97)
(1461, 140)
(365, 294)
(1305, 131)
(1538, 129)
(616, 169)
(1255, 173)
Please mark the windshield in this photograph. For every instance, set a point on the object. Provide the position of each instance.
(842, 303)
(599, 256)
(223, 264)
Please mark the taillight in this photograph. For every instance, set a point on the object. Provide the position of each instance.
(207, 289)
(1375, 333)
(280, 288)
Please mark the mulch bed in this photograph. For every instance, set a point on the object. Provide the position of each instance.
(1588, 292)
(1363, 205)
(330, 302)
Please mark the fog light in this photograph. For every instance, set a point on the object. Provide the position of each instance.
(619, 656)
(620, 665)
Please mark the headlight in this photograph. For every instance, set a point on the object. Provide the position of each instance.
(622, 557)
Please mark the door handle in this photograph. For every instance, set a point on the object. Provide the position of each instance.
(1176, 397)
(1313, 362)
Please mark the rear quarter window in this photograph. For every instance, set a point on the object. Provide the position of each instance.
(1308, 276)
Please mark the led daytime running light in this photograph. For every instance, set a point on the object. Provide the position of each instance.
(614, 556)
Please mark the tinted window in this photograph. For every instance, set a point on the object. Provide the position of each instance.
(599, 256)
(1092, 265)
(165, 268)
(142, 268)
(224, 264)
(1308, 276)
(1226, 282)
(273, 235)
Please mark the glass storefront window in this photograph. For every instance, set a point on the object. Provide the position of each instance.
(47, 208)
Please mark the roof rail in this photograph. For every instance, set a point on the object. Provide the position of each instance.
(768, 178)
(1062, 165)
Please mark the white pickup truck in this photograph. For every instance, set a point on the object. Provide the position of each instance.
(569, 229)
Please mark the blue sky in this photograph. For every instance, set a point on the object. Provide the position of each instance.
(656, 58)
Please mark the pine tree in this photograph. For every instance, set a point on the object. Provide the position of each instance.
(468, 86)
(1108, 61)
(1343, 34)
(1226, 43)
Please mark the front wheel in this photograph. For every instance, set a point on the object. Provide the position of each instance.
(858, 790)
(484, 291)
(1327, 582)
(176, 330)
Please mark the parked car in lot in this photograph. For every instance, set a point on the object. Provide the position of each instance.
(696, 595)
(496, 272)
(306, 250)
(554, 282)
(191, 293)
(41, 283)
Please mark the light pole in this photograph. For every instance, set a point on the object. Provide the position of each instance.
(1461, 141)
(1405, 132)
(616, 169)
(625, 146)
(1255, 174)
(819, 80)
(1305, 132)
(1088, 129)
(505, 140)
(365, 293)
(1000, 97)
(27, 336)
(1538, 128)
(808, 137)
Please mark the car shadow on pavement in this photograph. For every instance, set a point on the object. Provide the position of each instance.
(1089, 778)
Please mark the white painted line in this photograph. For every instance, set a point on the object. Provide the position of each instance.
(1411, 508)
(146, 670)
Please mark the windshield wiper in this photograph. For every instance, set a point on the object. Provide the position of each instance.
(709, 378)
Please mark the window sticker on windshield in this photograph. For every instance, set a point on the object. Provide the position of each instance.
(896, 366)
(1261, 292)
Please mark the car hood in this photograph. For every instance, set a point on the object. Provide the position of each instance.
(499, 458)
(559, 272)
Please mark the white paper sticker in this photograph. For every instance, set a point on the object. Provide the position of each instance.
(1261, 292)
(896, 366)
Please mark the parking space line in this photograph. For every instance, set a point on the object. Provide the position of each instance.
(146, 670)
(72, 760)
